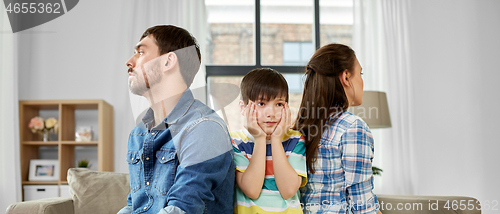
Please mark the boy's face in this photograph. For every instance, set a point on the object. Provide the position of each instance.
(269, 113)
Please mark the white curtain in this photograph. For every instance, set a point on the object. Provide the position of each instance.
(381, 44)
(189, 15)
(401, 170)
(10, 175)
(368, 43)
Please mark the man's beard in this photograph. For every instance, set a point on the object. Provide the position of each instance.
(139, 86)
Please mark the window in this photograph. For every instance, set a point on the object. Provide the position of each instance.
(297, 53)
(231, 32)
(281, 34)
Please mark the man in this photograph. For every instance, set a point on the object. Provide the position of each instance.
(180, 155)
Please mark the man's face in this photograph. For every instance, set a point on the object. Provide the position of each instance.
(144, 66)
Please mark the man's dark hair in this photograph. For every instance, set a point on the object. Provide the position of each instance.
(263, 84)
(171, 38)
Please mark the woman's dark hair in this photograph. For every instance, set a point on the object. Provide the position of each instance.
(263, 84)
(324, 98)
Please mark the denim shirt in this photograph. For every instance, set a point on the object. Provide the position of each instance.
(183, 165)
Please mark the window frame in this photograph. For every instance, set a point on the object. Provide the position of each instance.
(242, 70)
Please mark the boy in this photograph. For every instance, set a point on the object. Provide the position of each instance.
(270, 157)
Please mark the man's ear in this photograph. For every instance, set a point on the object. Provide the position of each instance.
(344, 78)
(170, 60)
(242, 107)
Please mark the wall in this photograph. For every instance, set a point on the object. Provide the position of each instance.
(454, 50)
(81, 55)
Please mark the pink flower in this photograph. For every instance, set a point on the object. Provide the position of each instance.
(36, 124)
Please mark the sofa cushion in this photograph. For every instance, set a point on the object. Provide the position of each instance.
(98, 192)
(42, 206)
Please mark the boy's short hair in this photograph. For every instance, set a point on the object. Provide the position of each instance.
(263, 84)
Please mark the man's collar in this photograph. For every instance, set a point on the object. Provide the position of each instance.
(181, 107)
(177, 112)
(149, 118)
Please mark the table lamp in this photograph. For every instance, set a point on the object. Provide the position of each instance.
(374, 110)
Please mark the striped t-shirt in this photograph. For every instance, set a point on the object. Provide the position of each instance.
(270, 200)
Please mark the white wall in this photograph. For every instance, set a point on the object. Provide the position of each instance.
(455, 63)
(81, 55)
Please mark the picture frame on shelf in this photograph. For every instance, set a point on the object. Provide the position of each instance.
(43, 170)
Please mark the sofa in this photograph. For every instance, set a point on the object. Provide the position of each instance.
(106, 192)
(91, 192)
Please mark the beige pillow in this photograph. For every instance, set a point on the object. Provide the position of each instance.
(98, 192)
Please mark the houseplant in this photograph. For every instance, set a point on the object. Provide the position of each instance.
(84, 163)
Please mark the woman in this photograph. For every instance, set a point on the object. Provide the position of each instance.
(339, 145)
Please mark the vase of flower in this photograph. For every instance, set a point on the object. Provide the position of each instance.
(43, 127)
(45, 136)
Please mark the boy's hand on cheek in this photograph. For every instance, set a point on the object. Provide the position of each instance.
(283, 124)
(250, 122)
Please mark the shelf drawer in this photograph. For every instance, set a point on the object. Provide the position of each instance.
(35, 192)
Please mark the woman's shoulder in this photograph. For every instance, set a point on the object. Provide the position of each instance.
(348, 119)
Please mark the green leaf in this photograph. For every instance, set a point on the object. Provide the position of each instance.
(83, 163)
(377, 171)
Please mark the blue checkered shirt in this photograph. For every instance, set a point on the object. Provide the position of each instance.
(343, 178)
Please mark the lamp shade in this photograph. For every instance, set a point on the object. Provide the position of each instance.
(374, 110)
